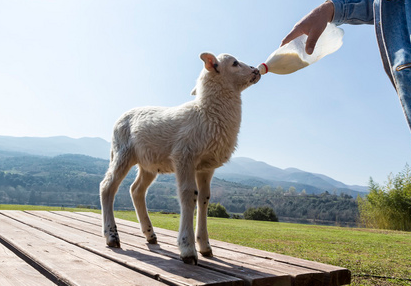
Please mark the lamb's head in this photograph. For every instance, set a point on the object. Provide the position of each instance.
(227, 71)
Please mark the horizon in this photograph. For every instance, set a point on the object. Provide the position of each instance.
(74, 67)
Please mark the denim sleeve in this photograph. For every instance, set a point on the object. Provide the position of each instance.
(353, 12)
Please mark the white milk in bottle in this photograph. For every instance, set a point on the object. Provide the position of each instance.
(292, 56)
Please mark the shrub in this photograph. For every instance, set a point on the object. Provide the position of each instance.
(388, 207)
(260, 213)
(217, 210)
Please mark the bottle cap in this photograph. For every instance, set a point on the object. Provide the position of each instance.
(263, 69)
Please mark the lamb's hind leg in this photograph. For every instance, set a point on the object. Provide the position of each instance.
(203, 182)
(116, 172)
(138, 193)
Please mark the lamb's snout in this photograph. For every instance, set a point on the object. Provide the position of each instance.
(256, 76)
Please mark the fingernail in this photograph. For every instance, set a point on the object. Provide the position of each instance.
(310, 51)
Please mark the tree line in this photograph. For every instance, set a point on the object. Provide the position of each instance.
(72, 180)
(260, 213)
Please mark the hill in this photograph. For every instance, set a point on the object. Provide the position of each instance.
(239, 170)
(53, 146)
(255, 173)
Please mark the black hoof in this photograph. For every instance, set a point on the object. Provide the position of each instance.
(190, 260)
(152, 240)
(208, 253)
(114, 243)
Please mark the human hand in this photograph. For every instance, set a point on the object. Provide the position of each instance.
(313, 24)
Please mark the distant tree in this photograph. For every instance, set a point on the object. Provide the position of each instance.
(279, 191)
(292, 191)
(32, 198)
(217, 210)
(260, 213)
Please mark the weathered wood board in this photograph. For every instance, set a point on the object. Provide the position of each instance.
(68, 249)
(15, 271)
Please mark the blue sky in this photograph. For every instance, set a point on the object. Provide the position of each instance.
(73, 67)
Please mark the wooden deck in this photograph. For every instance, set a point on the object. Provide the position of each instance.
(64, 248)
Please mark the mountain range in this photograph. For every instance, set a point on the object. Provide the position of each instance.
(239, 170)
(58, 145)
(256, 173)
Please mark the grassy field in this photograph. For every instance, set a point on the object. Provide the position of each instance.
(365, 252)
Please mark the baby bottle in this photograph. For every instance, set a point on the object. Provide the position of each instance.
(292, 56)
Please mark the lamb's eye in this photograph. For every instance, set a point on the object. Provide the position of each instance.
(235, 64)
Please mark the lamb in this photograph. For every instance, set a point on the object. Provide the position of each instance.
(191, 140)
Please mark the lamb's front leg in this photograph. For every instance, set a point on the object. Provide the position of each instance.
(203, 182)
(188, 194)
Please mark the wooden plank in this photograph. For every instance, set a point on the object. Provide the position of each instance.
(240, 251)
(301, 276)
(15, 271)
(251, 274)
(333, 275)
(145, 261)
(67, 263)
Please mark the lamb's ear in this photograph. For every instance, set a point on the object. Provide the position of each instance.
(194, 91)
(210, 62)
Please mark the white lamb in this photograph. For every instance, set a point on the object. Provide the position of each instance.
(190, 140)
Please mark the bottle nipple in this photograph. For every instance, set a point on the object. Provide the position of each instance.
(262, 68)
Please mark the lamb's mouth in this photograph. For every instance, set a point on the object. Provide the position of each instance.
(255, 78)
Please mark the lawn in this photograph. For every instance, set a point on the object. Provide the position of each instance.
(366, 252)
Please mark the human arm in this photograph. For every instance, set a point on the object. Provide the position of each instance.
(353, 12)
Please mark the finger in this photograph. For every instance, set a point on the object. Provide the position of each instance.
(291, 36)
(312, 40)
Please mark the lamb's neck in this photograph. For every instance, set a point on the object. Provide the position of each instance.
(223, 100)
(222, 109)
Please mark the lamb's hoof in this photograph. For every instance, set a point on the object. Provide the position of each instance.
(207, 253)
(114, 243)
(112, 238)
(152, 240)
(190, 260)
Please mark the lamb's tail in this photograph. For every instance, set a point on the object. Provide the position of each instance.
(121, 143)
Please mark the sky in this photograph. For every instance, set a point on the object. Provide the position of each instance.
(73, 67)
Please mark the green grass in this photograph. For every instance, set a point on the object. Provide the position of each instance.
(363, 251)
(43, 208)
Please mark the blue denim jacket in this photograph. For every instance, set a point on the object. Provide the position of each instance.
(392, 21)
